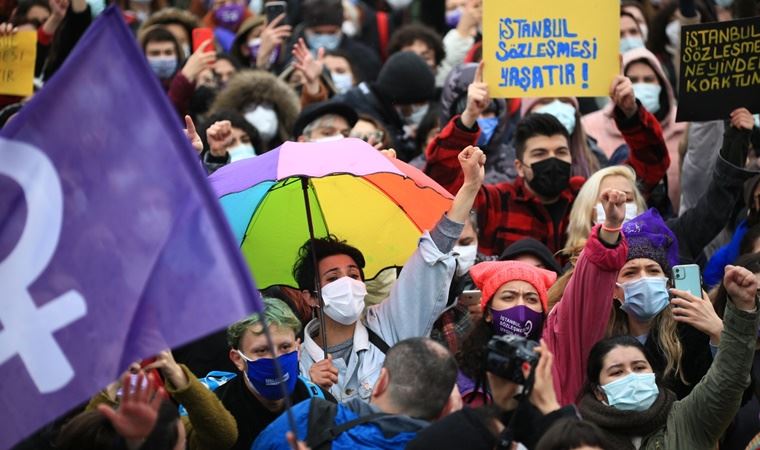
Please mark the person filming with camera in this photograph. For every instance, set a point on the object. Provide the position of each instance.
(519, 378)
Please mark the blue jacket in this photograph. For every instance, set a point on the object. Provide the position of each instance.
(391, 432)
(724, 256)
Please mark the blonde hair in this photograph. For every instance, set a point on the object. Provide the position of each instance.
(667, 336)
(582, 214)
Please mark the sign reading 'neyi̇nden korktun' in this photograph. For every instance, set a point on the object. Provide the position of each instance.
(720, 69)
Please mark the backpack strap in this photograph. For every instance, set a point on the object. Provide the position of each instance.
(313, 389)
(322, 427)
(377, 341)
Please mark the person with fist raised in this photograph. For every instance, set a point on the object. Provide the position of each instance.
(538, 202)
(626, 397)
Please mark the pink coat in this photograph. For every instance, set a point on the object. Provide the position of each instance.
(580, 319)
(600, 125)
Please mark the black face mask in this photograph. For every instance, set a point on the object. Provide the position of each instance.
(550, 177)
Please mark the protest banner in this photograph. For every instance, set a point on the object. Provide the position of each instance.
(112, 245)
(18, 53)
(547, 48)
(720, 69)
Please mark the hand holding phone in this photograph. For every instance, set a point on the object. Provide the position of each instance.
(469, 298)
(201, 35)
(275, 9)
(687, 278)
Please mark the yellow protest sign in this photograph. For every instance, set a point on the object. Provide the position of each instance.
(550, 48)
(17, 55)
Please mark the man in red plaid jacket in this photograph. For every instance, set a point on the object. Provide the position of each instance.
(537, 204)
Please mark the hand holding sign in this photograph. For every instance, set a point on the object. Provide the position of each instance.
(742, 119)
(477, 98)
(621, 93)
(546, 48)
(18, 52)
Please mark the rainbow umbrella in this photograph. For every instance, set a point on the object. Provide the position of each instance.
(379, 205)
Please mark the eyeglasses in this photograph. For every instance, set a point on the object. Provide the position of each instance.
(376, 135)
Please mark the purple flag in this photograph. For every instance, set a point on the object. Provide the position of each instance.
(112, 246)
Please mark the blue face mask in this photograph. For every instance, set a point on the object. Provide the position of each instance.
(725, 4)
(262, 376)
(634, 392)
(649, 95)
(163, 67)
(630, 43)
(487, 128)
(562, 111)
(645, 297)
(326, 41)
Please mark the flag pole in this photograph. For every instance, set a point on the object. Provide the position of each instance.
(317, 288)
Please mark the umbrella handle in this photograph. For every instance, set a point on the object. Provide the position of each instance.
(317, 287)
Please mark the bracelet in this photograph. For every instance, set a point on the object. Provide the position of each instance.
(612, 230)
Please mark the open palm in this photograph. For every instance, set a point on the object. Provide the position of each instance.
(138, 411)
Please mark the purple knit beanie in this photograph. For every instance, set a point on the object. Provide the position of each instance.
(649, 237)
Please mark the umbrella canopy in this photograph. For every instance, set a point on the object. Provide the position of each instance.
(379, 205)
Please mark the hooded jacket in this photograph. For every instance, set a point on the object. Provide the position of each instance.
(393, 431)
(168, 16)
(251, 87)
(601, 124)
(501, 154)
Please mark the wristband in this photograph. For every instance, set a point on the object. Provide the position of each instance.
(612, 230)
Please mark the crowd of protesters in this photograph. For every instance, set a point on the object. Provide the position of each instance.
(540, 311)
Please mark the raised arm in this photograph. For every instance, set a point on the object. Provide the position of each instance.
(648, 152)
(579, 320)
(461, 131)
(705, 414)
(699, 225)
(420, 294)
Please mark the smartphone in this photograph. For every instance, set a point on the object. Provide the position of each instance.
(158, 378)
(469, 298)
(274, 9)
(687, 278)
(201, 35)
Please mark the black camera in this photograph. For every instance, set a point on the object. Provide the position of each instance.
(506, 355)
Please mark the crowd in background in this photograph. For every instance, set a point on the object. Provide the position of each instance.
(540, 312)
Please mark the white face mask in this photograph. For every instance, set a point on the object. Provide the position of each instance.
(466, 258)
(344, 300)
(242, 151)
(562, 111)
(418, 113)
(333, 138)
(349, 28)
(186, 50)
(649, 95)
(342, 81)
(264, 119)
(673, 31)
(631, 211)
(399, 4)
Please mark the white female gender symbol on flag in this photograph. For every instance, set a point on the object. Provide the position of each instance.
(27, 330)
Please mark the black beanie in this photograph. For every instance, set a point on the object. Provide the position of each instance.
(322, 12)
(405, 79)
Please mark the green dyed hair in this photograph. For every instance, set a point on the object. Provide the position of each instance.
(276, 312)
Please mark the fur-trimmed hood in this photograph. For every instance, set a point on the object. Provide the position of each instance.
(250, 87)
(172, 15)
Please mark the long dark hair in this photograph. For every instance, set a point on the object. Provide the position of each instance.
(596, 359)
(471, 357)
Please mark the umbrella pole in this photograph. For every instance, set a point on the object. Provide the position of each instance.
(317, 287)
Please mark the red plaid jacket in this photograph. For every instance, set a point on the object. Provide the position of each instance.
(508, 212)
